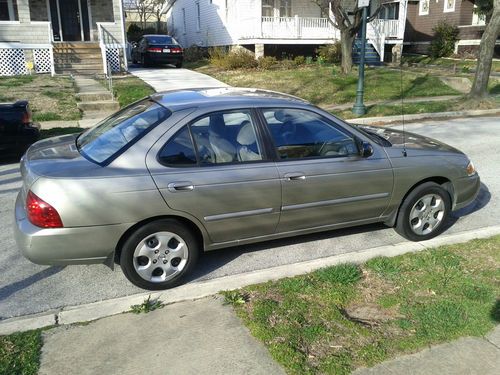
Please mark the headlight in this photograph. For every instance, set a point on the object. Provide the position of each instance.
(471, 170)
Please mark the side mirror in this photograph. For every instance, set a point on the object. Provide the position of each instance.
(366, 149)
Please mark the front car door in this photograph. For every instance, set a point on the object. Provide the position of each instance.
(215, 170)
(324, 179)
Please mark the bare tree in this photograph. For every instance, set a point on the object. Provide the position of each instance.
(143, 9)
(347, 18)
(490, 9)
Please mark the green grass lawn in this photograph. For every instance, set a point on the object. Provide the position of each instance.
(341, 318)
(324, 85)
(421, 107)
(130, 89)
(20, 353)
(462, 65)
(50, 98)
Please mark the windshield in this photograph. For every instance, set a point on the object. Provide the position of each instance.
(161, 40)
(104, 141)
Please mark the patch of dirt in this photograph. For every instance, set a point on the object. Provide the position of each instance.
(371, 314)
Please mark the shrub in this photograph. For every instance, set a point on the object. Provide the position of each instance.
(134, 33)
(309, 60)
(267, 62)
(287, 64)
(330, 53)
(237, 59)
(445, 36)
(194, 53)
(299, 60)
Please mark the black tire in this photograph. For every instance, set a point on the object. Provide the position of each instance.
(178, 65)
(403, 226)
(127, 260)
(144, 62)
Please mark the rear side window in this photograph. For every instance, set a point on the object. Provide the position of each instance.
(161, 40)
(118, 132)
(179, 150)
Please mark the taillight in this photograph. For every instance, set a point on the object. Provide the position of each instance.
(26, 118)
(176, 50)
(155, 49)
(42, 214)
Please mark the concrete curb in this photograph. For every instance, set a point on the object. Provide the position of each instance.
(423, 116)
(196, 290)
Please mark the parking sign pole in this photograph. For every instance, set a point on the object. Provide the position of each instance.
(359, 108)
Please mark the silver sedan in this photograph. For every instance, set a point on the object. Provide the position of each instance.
(196, 170)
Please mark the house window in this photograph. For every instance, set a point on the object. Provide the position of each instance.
(267, 8)
(285, 8)
(423, 8)
(198, 16)
(184, 21)
(8, 10)
(449, 5)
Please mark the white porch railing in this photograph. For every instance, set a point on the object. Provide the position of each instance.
(297, 28)
(390, 28)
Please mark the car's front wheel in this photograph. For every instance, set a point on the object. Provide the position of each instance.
(424, 212)
(159, 255)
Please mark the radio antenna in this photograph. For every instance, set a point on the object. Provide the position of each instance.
(405, 154)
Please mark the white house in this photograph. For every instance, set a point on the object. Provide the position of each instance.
(62, 36)
(263, 24)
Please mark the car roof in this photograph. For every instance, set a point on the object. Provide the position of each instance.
(176, 100)
(156, 35)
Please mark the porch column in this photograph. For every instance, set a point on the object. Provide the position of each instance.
(259, 50)
(119, 17)
(23, 10)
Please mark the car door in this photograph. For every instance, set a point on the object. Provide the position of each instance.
(215, 170)
(324, 179)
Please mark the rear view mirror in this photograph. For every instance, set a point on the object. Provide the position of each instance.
(366, 149)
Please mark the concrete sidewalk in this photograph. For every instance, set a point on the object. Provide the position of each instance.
(194, 337)
(466, 356)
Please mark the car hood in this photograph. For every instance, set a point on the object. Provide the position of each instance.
(411, 141)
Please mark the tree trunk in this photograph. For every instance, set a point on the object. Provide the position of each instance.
(346, 41)
(486, 49)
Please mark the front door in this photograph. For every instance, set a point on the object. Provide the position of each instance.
(216, 170)
(324, 179)
(70, 20)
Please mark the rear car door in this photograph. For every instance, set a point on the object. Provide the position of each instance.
(215, 170)
(325, 181)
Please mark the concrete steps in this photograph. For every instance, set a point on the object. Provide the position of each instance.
(78, 58)
(95, 101)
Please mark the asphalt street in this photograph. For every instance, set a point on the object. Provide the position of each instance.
(26, 288)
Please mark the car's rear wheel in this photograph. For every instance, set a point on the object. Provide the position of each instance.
(159, 255)
(424, 212)
(178, 65)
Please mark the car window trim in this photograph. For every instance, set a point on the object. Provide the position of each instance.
(266, 158)
(277, 157)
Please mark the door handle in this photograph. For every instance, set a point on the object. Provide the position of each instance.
(176, 187)
(297, 176)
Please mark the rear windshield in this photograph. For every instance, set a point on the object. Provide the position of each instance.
(118, 132)
(161, 40)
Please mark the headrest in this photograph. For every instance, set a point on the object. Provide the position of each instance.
(246, 135)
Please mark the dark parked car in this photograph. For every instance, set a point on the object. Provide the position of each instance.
(17, 130)
(157, 49)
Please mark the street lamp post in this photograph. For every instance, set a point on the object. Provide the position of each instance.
(359, 108)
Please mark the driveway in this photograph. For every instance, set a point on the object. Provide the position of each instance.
(28, 288)
(169, 78)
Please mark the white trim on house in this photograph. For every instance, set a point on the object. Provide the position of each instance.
(421, 10)
(449, 6)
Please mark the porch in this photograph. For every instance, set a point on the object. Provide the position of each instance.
(34, 35)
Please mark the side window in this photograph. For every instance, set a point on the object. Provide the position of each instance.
(303, 134)
(226, 137)
(179, 150)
